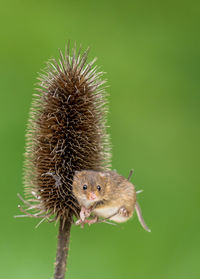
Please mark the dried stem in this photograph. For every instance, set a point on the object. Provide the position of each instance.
(62, 249)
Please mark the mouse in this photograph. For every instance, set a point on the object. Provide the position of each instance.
(105, 194)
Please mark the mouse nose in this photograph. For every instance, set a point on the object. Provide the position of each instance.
(92, 196)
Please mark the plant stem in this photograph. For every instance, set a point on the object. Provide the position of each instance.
(62, 249)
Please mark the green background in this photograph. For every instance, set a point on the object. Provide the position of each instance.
(151, 53)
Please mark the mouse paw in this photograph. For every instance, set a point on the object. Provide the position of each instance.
(78, 222)
(123, 211)
(85, 213)
(91, 221)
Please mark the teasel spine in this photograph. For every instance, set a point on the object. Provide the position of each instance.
(66, 133)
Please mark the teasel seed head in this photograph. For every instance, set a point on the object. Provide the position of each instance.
(66, 133)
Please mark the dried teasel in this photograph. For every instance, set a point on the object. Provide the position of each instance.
(66, 132)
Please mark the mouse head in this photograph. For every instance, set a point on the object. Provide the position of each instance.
(89, 187)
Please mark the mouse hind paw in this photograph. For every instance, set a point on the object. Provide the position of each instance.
(123, 212)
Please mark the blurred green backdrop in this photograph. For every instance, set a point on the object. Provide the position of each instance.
(151, 53)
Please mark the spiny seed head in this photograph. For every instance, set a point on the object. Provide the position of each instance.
(66, 133)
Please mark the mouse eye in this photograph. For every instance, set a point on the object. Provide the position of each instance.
(99, 188)
(85, 187)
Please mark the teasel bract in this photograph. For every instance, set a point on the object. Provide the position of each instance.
(66, 133)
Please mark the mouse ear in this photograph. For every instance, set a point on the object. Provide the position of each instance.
(103, 174)
(77, 173)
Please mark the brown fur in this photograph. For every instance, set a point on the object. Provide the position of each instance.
(116, 191)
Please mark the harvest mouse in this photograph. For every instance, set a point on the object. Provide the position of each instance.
(107, 195)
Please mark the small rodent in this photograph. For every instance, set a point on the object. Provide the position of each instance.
(107, 195)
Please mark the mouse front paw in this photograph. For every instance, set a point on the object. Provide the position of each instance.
(85, 213)
(80, 223)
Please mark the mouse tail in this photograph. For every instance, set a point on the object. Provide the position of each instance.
(140, 218)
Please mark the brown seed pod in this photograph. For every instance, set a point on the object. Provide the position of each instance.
(66, 132)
